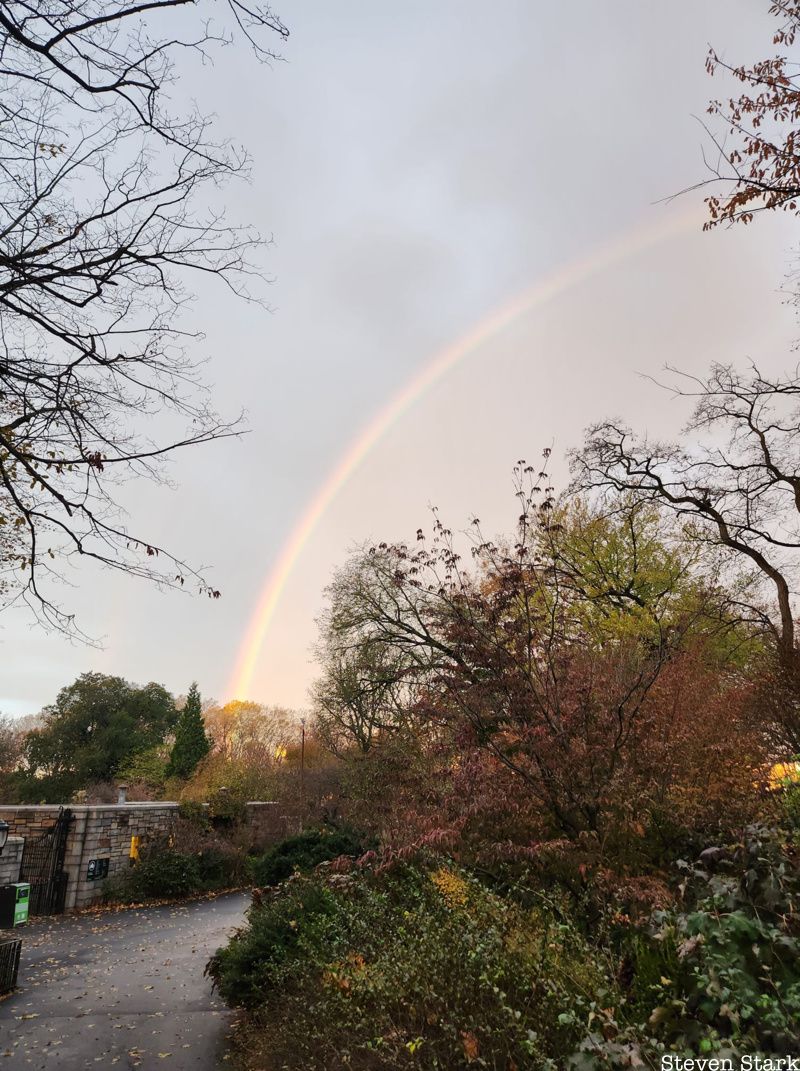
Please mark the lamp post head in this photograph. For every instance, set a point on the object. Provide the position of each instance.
(4, 829)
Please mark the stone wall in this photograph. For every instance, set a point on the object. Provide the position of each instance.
(10, 858)
(100, 833)
(267, 825)
(104, 833)
(29, 821)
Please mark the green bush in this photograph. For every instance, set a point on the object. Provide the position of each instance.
(425, 968)
(195, 813)
(411, 968)
(148, 767)
(226, 807)
(160, 873)
(720, 973)
(305, 851)
(223, 867)
(194, 859)
(790, 799)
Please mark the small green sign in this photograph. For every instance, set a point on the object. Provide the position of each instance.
(21, 903)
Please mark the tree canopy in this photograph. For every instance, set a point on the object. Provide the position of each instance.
(737, 487)
(94, 727)
(556, 654)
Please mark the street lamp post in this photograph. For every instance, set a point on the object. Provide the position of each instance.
(303, 758)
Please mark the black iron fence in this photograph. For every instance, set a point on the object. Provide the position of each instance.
(43, 867)
(10, 949)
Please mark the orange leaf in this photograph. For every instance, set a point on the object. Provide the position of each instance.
(470, 1045)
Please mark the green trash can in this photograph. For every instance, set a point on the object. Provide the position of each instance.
(14, 904)
(22, 903)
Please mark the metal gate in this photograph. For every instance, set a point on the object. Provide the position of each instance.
(9, 964)
(43, 867)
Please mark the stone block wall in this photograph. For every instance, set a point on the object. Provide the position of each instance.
(266, 824)
(103, 832)
(98, 832)
(29, 821)
(10, 859)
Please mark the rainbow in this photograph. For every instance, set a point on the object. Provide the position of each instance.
(564, 278)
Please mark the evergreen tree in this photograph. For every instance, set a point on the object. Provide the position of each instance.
(191, 742)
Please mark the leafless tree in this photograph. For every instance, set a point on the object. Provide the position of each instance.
(11, 740)
(105, 209)
(361, 696)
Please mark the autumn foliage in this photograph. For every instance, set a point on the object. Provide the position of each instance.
(583, 683)
(762, 169)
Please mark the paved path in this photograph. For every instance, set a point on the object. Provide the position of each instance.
(120, 989)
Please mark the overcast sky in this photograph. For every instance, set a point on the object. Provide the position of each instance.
(418, 166)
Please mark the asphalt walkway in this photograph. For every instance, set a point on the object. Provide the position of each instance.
(121, 989)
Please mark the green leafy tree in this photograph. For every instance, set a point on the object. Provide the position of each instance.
(147, 770)
(11, 741)
(191, 742)
(96, 725)
(734, 480)
(625, 570)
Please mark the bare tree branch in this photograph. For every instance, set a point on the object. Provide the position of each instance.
(738, 484)
(104, 216)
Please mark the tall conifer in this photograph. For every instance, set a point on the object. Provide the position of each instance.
(191, 742)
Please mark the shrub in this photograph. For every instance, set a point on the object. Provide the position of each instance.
(786, 779)
(723, 968)
(161, 872)
(194, 859)
(307, 850)
(147, 768)
(226, 783)
(411, 968)
(424, 967)
(223, 866)
(195, 813)
(791, 806)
